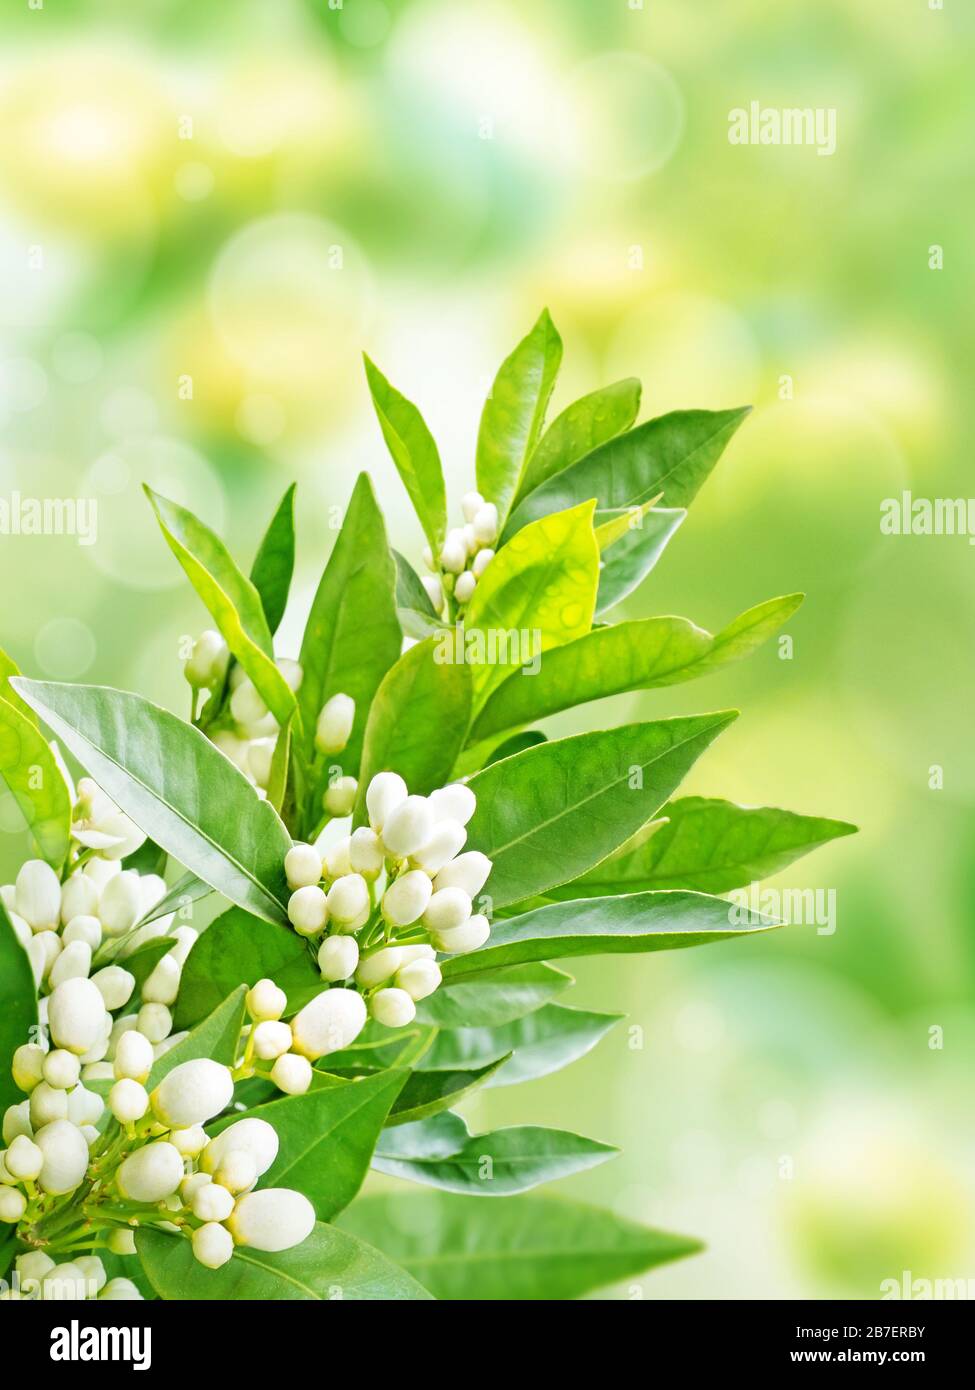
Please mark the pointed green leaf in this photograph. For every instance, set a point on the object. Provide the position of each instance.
(627, 563)
(217, 1037)
(414, 452)
(582, 427)
(275, 561)
(541, 1043)
(416, 613)
(36, 782)
(491, 999)
(8, 668)
(18, 1007)
(427, 1093)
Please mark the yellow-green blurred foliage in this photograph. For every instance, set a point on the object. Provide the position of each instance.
(208, 211)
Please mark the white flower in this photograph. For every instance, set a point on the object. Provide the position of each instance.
(76, 1015)
(308, 911)
(465, 586)
(21, 930)
(27, 1066)
(331, 1021)
(213, 1245)
(265, 1001)
(485, 523)
(292, 1074)
(42, 951)
(419, 978)
(123, 831)
(468, 937)
(379, 966)
(121, 1242)
(237, 1171)
(366, 852)
(155, 1021)
(61, 1069)
(24, 1160)
(192, 1093)
(339, 798)
(407, 827)
(338, 957)
(302, 866)
(338, 859)
(481, 561)
(207, 664)
(73, 963)
(79, 897)
(190, 1142)
(453, 555)
(454, 802)
(275, 1219)
(434, 591)
(120, 904)
(151, 1173)
(348, 899)
(93, 1271)
(447, 909)
(406, 898)
(469, 871)
(250, 1135)
(121, 1290)
(38, 895)
(65, 1151)
(83, 928)
(128, 1100)
(393, 1007)
(115, 985)
(84, 1107)
(13, 1204)
(212, 1202)
(385, 792)
(334, 727)
(162, 986)
(448, 839)
(185, 939)
(47, 1103)
(260, 755)
(292, 672)
(470, 504)
(247, 706)
(234, 748)
(16, 1120)
(271, 1039)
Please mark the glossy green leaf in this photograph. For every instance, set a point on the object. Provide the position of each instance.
(582, 427)
(274, 563)
(538, 592)
(176, 786)
(418, 721)
(416, 613)
(8, 668)
(746, 633)
(488, 1165)
(428, 1092)
(518, 743)
(230, 598)
(330, 1266)
(632, 924)
(513, 1248)
(673, 454)
(712, 846)
(326, 1138)
(18, 1007)
(628, 562)
(414, 452)
(240, 949)
(216, 1037)
(492, 999)
(547, 815)
(36, 782)
(514, 414)
(538, 1044)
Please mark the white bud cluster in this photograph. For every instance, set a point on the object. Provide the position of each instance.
(249, 732)
(38, 1276)
(465, 555)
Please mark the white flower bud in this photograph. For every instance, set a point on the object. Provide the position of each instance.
(76, 1015)
(308, 911)
(419, 978)
(97, 1071)
(237, 1171)
(454, 802)
(151, 1173)
(207, 664)
(292, 672)
(73, 963)
(79, 897)
(407, 827)
(453, 556)
(47, 1103)
(82, 928)
(434, 591)
(185, 939)
(385, 792)
(271, 1039)
(121, 1242)
(366, 852)
(192, 1093)
(61, 1069)
(84, 1107)
(121, 1290)
(213, 1245)
(406, 898)
(485, 523)
(128, 1100)
(190, 1142)
(115, 985)
(275, 1219)
(260, 754)
(212, 1202)
(13, 1204)
(468, 871)
(22, 931)
(348, 899)
(427, 556)
(265, 1001)
(339, 798)
(470, 504)
(338, 957)
(302, 866)
(247, 706)
(120, 904)
(162, 986)
(27, 1066)
(447, 909)
(448, 839)
(481, 561)
(292, 1074)
(392, 1007)
(38, 895)
(234, 748)
(125, 831)
(34, 1265)
(93, 1271)
(42, 951)
(191, 1184)
(468, 937)
(250, 1135)
(65, 1151)
(465, 586)
(24, 1160)
(16, 1120)
(470, 540)
(155, 1021)
(337, 859)
(331, 1021)
(379, 966)
(334, 727)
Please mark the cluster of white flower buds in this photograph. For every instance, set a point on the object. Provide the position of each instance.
(38, 1276)
(465, 554)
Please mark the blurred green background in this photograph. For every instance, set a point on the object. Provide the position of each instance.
(207, 212)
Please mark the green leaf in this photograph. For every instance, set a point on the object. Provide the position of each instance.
(541, 1043)
(187, 889)
(428, 1092)
(537, 593)
(230, 598)
(329, 1266)
(18, 1007)
(746, 633)
(8, 668)
(488, 1165)
(326, 1138)
(672, 454)
(416, 613)
(631, 924)
(217, 1037)
(492, 999)
(239, 949)
(513, 1248)
(30, 770)
(514, 414)
(353, 635)
(518, 743)
(275, 561)
(713, 846)
(582, 427)
(176, 786)
(414, 451)
(628, 562)
(418, 721)
(547, 815)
